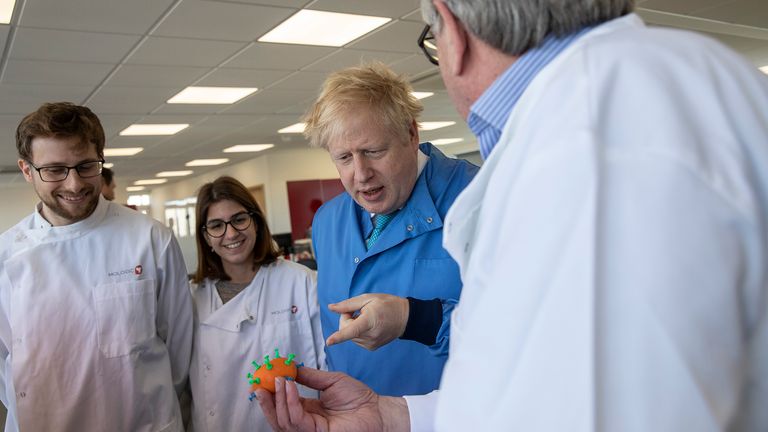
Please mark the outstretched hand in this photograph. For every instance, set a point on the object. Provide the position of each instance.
(345, 404)
(381, 319)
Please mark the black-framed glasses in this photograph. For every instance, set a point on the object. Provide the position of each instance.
(217, 227)
(428, 45)
(57, 173)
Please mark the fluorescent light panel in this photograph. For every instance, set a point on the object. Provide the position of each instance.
(248, 148)
(764, 69)
(206, 162)
(109, 165)
(127, 151)
(174, 173)
(312, 27)
(153, 129)
(150, 182)
(211, 95)
(421, 95)
(6, 11)
(444, 141)
(294, 128)
(435, 125)
(135, 188)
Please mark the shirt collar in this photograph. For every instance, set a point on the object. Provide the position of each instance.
(490, 112)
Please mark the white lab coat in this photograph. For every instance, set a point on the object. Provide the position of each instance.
(613, 247)
(95, 324)
(278, 309)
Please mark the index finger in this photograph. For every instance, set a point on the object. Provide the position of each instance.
(355, 328)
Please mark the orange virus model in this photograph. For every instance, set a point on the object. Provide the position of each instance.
(264, 375)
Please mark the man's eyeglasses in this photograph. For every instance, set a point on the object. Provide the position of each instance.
(57, 173)
(217, 227)
(427, 44)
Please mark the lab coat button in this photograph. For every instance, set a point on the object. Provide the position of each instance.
(357, 260)
(250, 317)
(22, 394)
(409, 227)
(211, 413)
(429, 220)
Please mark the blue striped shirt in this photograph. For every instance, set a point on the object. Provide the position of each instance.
(490, 112)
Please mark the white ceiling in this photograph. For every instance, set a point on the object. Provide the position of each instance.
(125, 58)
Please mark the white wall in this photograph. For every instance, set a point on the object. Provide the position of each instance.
(18, 201)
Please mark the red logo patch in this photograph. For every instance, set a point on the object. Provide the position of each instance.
(294, 309)
(138, 270)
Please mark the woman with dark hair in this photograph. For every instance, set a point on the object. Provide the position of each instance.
(247, 304)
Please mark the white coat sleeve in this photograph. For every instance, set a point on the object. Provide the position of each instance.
(614, 291)
(174, 312)
(314, 317)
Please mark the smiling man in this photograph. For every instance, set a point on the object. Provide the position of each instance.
(95, 312)
(381, 242)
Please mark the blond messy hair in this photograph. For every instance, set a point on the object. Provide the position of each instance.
(372, 85)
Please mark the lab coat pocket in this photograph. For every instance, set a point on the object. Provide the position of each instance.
(125, 315)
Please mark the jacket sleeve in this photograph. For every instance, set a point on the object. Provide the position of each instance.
(174, 312)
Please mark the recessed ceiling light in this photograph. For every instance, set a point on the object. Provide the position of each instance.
(153, 129)
(211, 95)
(135, 188)
(127, 151)
(421, 95)
(109, 165)
(149, 182)
(248, 148)
(207, 162)
(294, 128)
(764, 69)
(444, 141)
(435, 125)
(312, 27)
(6, 11)
(174, 173)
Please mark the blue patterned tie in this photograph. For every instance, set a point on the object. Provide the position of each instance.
(380, 222)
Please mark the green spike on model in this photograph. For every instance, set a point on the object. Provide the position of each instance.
(257, 380)
(267, 363)
(289, 359)
(249, 375)
(255, 365)
(277, 354)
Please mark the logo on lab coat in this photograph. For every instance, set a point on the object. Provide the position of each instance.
(138, 270)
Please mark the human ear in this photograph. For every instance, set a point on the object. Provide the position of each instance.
(452, 40)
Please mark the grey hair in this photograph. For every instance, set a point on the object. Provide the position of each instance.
(515, 26)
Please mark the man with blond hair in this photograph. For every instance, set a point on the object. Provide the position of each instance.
(381, 241)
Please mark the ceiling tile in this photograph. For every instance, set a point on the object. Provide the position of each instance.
(742, 12)
(270, 101)
(278, 56)
(352, 57)
(400, 36)
(414, 16)
(183, 52)
(233, 77)
(4, 29)
(156, 76)
(414, 66)
(62, 73)
(70, 46)
(389, 8)
(243, 22)
(285, 3)
(24, 98)
(130, 100)
(304, 80)
(108, 16)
